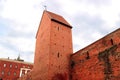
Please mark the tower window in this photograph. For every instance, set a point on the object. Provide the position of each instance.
(58, 55)
(112, 41)
(58, 28)
(72, 64)
(87, 57)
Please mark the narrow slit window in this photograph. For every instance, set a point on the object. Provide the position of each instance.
(88, 57)
(58, 28)
(58, 55)
(112, 42)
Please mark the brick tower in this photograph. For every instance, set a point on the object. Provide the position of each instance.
(53, 48)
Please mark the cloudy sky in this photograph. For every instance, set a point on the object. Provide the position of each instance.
(19, 20)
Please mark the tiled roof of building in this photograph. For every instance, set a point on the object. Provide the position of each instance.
(16, 61)
(58, 18)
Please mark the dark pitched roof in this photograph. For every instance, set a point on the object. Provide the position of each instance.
(57, 18)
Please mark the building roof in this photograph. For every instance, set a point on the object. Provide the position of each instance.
(58, 18)
(16, 61)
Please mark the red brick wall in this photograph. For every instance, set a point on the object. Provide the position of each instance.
(60, 51)
(27, 76)
(53, 49)
(41, 59)
(98, 61)
(13, 72)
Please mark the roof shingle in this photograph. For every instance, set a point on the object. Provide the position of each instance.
(58, 18)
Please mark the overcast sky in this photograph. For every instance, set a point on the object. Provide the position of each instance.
(19, 21)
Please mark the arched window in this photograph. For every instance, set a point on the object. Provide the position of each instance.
(14, 73)
(4, 65)
(10, 65)
(8, 73)
(2, 72)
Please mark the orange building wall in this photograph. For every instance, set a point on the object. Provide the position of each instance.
(53, 49)
(54, 59)
(98, 61)
(60, 51)
(27, 76)
(14, 69)
(41, 60)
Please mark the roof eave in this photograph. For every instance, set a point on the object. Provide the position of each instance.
(61, 23)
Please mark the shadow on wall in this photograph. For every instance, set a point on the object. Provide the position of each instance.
(60, 77)
(1, 79)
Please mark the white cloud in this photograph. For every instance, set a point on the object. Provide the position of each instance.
(24, 44)
(7, 52)
(25, 17)
(12, 47)
(95, 17)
